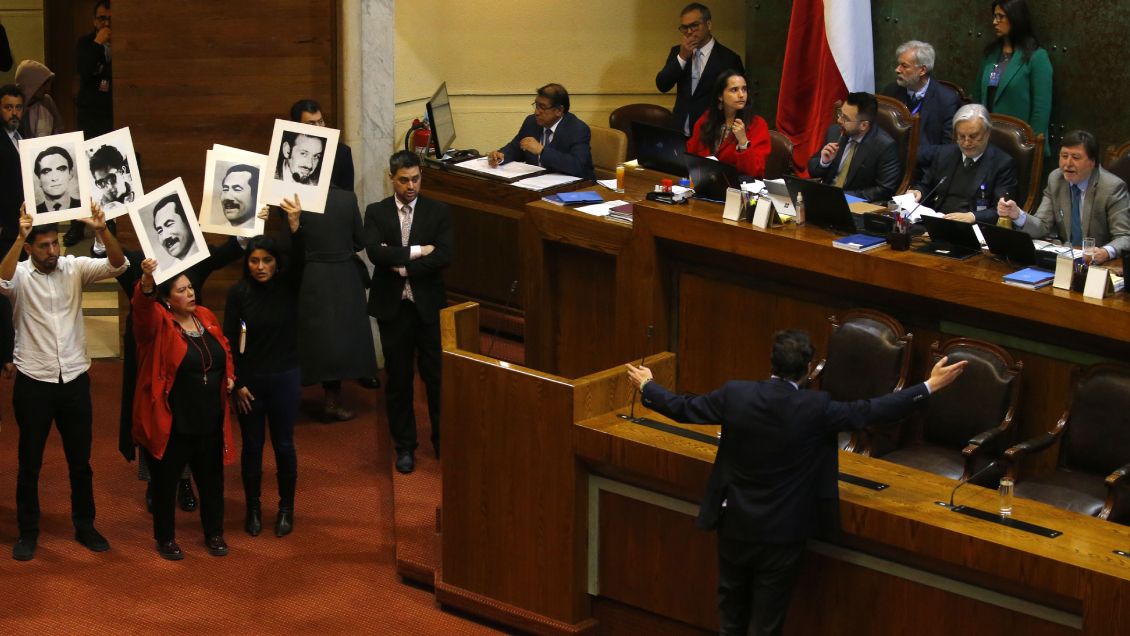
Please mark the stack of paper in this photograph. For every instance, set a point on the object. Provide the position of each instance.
(545, 181)
(600, 209)
(506, 170)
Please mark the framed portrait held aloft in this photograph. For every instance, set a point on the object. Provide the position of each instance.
(233, 193)
(301, 161)
(167, 229)
(56, 178)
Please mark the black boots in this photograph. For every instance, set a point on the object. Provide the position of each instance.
(252, 487)
(185, 497)
(285, 523)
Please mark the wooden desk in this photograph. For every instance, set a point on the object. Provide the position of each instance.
(485, 217)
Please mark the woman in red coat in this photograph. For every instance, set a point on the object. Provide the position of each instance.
(730, 131)
(180, 410)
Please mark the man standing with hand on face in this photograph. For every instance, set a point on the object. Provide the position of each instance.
(693, 66)
(409, 239)
(51, 366)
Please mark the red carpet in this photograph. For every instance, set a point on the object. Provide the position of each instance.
(335, 574)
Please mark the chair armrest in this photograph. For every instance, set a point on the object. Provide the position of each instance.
(1117, 475)
(813, 379)
(1034, 445)
(988, 438)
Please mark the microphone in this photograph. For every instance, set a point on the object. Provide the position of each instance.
(923, 199)
(975, 476)
(647, 350)
(505, 309)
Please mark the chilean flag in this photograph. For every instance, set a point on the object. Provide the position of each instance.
(829, 54)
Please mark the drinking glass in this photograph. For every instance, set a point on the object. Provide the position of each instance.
(892, 207)
(1007, 486)
(1089, 250)
(620, 178)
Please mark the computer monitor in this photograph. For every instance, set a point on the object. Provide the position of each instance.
(711, 178)
(439, 116)
(660, 149)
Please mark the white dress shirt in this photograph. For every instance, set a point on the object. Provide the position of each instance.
(15, 137)
(47, 313)
(706, 49)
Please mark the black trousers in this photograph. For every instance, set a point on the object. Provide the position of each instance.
(408, 342)
(7, 327)
(755, 584)
(94, 123)
(37, 404)
(205, 454)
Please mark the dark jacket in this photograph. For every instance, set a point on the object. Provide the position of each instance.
(935, 119)
(569, 152)
(994, 169)
(874, 171)
(93, 67)
(431, 225)
(672, 74)
(11, 188)
(342, 175)
(777, 459)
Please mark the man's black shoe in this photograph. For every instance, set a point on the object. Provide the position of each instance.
(91, 539)
(24, 550)
(369, 383)
(185, 497)
(75, 234)
(405, 463)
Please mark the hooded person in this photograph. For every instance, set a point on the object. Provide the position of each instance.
(41, 116)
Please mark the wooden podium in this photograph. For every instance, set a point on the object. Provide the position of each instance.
(515, 498)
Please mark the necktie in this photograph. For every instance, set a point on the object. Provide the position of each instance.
(1076, 217)
(405, 230)
(968, 162)
(57, 207)
(546, 137)
(696, 70)
(845, 164)
(912, 102)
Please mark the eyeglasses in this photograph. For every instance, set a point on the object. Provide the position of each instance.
(101, 18)
(693, 26)
(999, 17)
(109, 181)
(971, 138)
(541, 107)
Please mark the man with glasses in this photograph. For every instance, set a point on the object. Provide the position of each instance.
(552, 137)
(693, 66)
(934, 104)
(112, 178)
(968, 167)
(858, 156)
(94, 105)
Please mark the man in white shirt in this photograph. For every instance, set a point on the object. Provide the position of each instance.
(50, 368)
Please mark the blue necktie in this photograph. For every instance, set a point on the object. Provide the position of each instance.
(1076, 218)
(696, 70)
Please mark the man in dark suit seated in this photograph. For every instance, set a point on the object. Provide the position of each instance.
(693, 66)
(1091, 202)
(774, 483)
(934, 104)
(409, 239)
(971, 166)
(552, 137)
(307, 111)
(858, 156)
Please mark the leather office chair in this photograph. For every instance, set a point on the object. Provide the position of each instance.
(608, 149)
(621, 119)
(895, 118)
(779, 163)
(1094, 448)
(1015, 137)
(965, 99)
(1118, 161)
(868, 356)
(969, 420)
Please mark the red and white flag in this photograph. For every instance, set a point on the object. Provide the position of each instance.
(829, 54)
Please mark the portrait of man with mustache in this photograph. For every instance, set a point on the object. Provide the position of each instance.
(238, 194)
(172, 228)
(300, 159)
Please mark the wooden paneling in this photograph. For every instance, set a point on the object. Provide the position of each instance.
(641, 545)
(584, 284)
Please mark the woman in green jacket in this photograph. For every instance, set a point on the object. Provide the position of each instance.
(1016, 85)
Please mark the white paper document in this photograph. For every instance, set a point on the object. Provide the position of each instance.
(1065, 251)
(545, 181)
(608, 183)
(754, 186)
(506, 170)
(600, 209)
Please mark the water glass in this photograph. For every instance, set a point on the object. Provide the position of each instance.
(892, 207)
(1089, 250)
(1006, 489)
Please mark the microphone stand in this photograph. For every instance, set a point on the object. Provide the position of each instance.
(632, 415)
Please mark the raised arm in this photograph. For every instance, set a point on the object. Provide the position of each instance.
(145, 312)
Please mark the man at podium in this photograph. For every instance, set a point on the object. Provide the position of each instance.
(775, 473)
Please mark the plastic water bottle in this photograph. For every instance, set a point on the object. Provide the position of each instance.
(799, 209)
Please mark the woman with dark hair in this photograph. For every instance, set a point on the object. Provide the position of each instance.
(1016, 85)
(730, 130)
(261, 320)
(180, 410)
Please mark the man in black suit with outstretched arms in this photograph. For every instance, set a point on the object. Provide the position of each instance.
(693, 66)
(409, 239)
(775, 477)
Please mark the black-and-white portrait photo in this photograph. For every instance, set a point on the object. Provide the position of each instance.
(114, 177)
(232, 193)
(301, 161)
(54, 169)
(167, 229)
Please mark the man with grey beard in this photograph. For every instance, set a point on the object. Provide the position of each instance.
(934, 104)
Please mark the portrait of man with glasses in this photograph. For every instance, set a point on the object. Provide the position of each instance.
(110, 174)
(693, 65)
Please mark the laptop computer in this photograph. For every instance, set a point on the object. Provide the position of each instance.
(660, 149)
(825, 206)
(949, 239)
(711, 178)
(1016, 247)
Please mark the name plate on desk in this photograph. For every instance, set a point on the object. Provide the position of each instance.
(1099, 284)
(1064, 271)
(737, 208)
(765, 215)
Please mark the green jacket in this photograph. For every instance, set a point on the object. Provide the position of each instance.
(1025, 91)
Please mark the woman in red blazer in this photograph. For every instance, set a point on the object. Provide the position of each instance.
(730, 131)
(180, 410)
